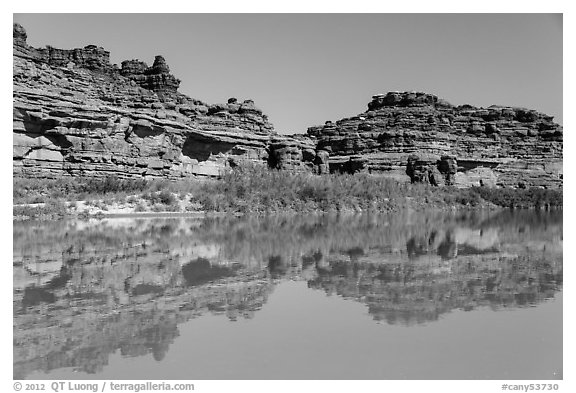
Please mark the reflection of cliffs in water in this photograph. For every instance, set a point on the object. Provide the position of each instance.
(81, 330)
(84, 290)
(416, 293)
(394, 238)
(504, 260)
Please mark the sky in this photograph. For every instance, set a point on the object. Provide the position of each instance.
(305, 69)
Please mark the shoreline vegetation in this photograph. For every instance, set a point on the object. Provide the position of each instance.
(257, 190)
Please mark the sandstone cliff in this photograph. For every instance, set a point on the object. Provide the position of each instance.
(76, 114)
(433, 141)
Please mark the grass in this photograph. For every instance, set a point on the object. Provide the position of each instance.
(261, 190)
(43, 190)
(521, 198)
(53, 209)
(164, 197)
(257, 190)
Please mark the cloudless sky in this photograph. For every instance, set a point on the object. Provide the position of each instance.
(304, 69)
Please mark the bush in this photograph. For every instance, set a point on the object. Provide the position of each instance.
(52, 209)
(43, 190)
(163, 197)
(258, 189)
(158, 208)
(166, 197)
(538, 198)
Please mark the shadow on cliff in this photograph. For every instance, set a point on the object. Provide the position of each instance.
(201, 148)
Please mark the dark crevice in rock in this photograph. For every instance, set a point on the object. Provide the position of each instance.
(202, 149)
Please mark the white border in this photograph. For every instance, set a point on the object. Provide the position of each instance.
(245, 6)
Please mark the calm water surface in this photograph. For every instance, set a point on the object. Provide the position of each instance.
(437, 296)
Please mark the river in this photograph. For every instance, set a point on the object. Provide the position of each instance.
(474, 295)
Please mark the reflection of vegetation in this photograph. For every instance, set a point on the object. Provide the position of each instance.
(276, 266)
(308, 260)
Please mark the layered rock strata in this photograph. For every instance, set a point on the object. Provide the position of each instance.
(76, 114)
(430, 140)
(90, 57)
(156, 78)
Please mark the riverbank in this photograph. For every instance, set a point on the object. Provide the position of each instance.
(257, 190)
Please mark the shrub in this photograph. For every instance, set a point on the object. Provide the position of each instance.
(259, 189)
(42, 190)
(166, 197)
(190, 208)
(132, 199)
(172, 208)
(52, 209)
(521, 198)
(158, 208)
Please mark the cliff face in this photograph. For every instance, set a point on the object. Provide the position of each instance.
(75, 114)
(433, 141)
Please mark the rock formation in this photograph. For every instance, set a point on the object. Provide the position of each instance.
(156, 78)
(75, 114)
(435, 142)
(430, 170)
(90, 57)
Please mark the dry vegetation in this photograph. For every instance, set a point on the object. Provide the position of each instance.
(258, 190)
